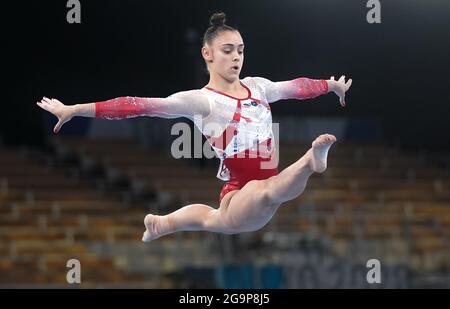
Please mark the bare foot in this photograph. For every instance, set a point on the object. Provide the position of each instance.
(157, 226)
(319, 152)
(151, 233)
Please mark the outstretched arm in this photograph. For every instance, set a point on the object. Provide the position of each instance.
(182, 104)
(304, 88)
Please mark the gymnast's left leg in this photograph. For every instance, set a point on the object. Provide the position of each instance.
(291, 182)
(253, 206)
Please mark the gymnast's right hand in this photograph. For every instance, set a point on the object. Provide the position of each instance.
(63, 112)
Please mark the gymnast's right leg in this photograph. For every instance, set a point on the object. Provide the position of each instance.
(195, 217)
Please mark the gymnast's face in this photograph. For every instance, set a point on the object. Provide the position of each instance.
(225, 56)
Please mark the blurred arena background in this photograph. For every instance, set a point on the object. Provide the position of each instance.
(83, 194)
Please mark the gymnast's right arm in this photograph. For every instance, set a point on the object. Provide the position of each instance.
(181, 104)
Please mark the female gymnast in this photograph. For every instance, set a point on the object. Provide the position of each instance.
(235, 117)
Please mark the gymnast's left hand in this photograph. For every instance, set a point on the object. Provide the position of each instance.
(339, 87)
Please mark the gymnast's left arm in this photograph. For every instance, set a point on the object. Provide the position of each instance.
(304, 88)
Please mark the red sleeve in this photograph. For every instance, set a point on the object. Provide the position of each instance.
(123, 107)
(306, 88)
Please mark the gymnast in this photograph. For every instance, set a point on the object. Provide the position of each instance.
(235, 117)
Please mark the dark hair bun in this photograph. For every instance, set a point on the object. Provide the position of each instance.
(217, 19)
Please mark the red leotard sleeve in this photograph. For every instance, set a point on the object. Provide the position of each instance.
(181, 104)
(124, 107)
(300, 88)
(306, 88)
